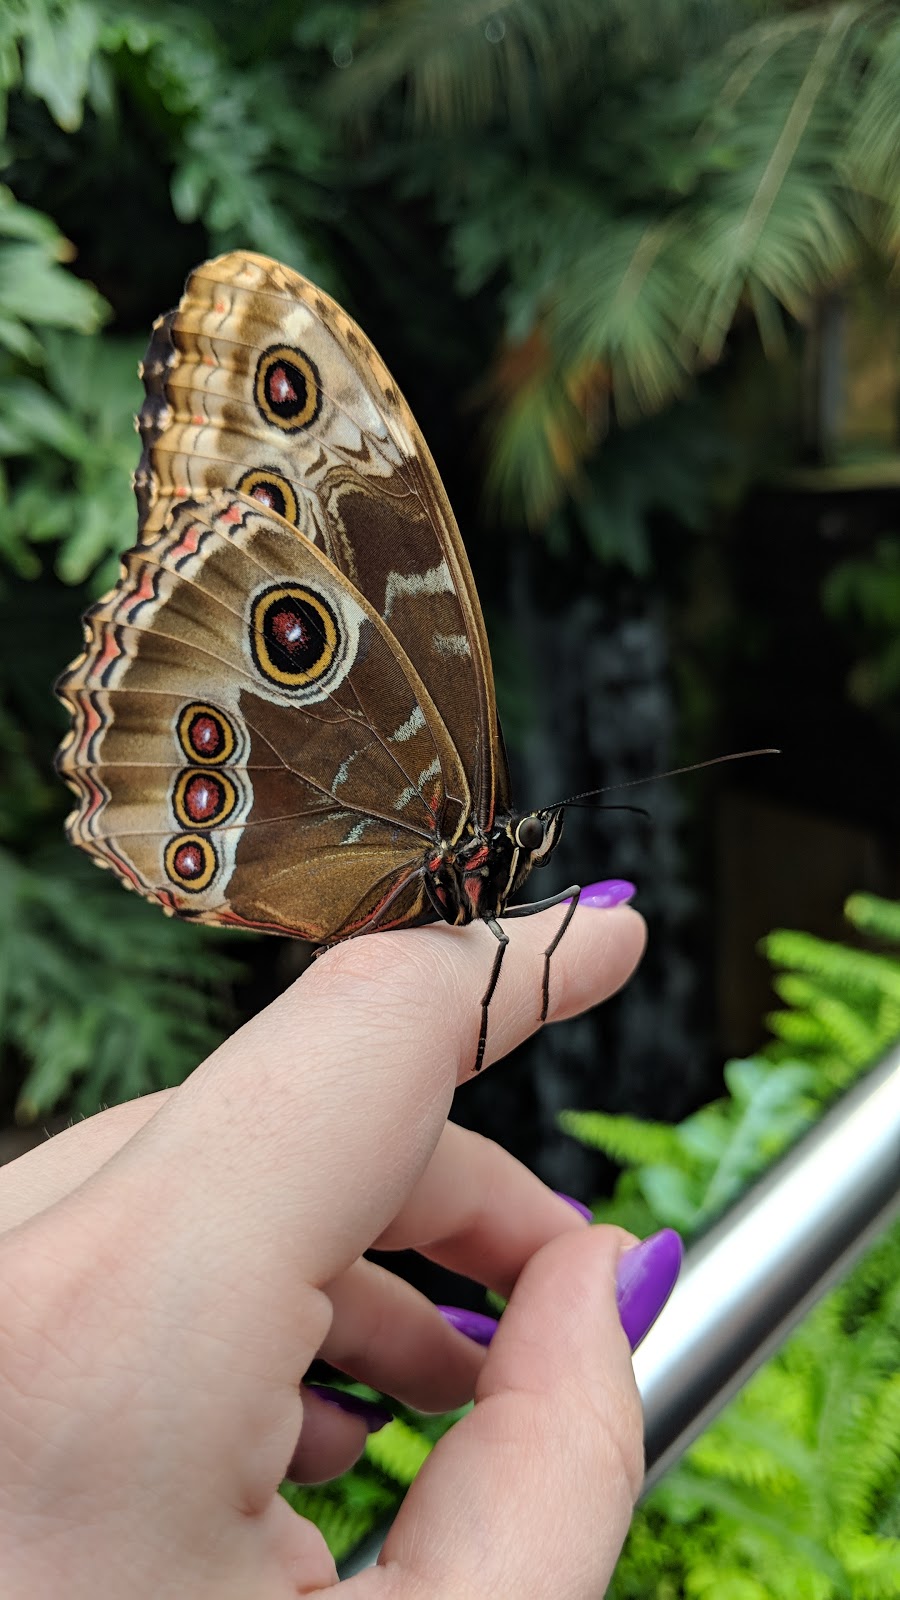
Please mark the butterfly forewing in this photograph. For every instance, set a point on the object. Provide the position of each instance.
(260, 382)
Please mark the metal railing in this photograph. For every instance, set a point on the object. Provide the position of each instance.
(748, 1281)
(761, 1267)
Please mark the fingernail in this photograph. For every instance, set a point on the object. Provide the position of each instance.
(645, 1277)
(471, 1323)
(373, 1416)
(611, 892)
(576, 1205)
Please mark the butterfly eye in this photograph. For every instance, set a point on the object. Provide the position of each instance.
(530, 833)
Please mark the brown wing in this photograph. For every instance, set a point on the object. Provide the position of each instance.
(250, 743)
(259, 381)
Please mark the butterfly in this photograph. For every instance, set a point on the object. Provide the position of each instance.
(284, 715)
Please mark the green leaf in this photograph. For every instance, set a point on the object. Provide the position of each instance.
(60, 40)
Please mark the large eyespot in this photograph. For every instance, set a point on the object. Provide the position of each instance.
(271, 490)
(205, 734)
(286, 388)
(191, 861)
(530, 833)
(201, 798)
(293, 635)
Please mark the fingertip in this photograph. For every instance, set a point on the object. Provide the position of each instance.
(531, 1493)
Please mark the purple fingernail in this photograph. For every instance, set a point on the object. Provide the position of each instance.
(373, 1416)
(576, 1205)
(645, 1277)
(471, 1323)
(611, 892)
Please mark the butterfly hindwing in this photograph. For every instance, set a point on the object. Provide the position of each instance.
(250, 742)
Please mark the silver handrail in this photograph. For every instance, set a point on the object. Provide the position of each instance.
(761, 1267)
(757, 1272)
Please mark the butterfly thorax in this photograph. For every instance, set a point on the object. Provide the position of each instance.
(474, 876)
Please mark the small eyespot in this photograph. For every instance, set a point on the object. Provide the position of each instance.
(202, 798)
(205, 734)
(190, 861)
(530, 833)
(272, 491)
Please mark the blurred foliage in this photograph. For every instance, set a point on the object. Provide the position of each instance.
(862, 595)
(99, 1009)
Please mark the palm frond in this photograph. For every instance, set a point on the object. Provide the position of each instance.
(462, 66)
(872, 155)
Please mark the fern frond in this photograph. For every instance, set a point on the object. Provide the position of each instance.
(537, 435)
(461, 66)
(846, 1030)
(627, 1140)
(872, 154)
(720, 1580)
(778, 222)
(749, 1458)
(509, 60)
(345, 1514)
(398, 1450)
(865, 1445)
(770, 1108)
(844, 970)
(800, 1030)
(870, 913)
(622, 305)
(872, 1564)
(70, 965)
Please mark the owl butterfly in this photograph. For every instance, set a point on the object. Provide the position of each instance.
(284, 715)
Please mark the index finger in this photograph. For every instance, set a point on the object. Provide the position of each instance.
(296, 1143)
(347, 1079)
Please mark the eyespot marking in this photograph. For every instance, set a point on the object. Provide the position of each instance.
(205, 734)
(294, 635)
(202, 798)
(271, 490)
(191, 862)
(287, 388)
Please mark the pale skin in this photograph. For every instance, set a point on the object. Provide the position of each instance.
(172, 1266)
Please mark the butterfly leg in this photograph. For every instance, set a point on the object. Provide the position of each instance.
(571, 895)
(502, 941)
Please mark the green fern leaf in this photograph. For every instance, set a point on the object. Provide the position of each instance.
(398, 1450)
(869, 912)
(625, 1139)
(872, 1565)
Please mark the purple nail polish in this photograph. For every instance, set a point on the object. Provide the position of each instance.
(611, 892)
(645, 1277)
(472, 1323)
(576, 1205)
(373, 1416)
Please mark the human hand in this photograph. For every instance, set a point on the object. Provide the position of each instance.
(172, 1266)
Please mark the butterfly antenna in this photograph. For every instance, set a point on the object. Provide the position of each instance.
(676, 772)
(636, 811)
